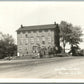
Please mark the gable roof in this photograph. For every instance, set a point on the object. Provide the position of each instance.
(37, 27)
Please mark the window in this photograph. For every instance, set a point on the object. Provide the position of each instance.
(43, 40)
(27, 52)
(26, 41)
(26, 35)
(37, 33)
(46, 30)
(38, 39)
(49, 39)
(49, 32)
(32, 40)
(21, 41)
(21, 34)
(20, 48)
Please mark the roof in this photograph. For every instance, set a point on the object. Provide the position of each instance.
(37, 27)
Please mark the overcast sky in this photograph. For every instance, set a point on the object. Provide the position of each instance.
(13, 14)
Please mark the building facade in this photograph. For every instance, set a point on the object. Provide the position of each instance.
(30, 38)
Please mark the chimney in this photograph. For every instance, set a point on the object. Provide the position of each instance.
(55, 23)
(21, 26)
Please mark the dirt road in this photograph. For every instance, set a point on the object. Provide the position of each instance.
(49, 68)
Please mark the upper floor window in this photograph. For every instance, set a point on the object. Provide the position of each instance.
(26, 41)
(20, 48)
(26, 35)
(21, 34)
(49, 32)
(32, 40)
(27, 52)
(43, 32)
(46, 30)
(38, 39)
(49, 39)
(43, 40)
(21, 41)
(37, 33)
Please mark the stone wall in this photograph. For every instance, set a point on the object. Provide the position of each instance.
(27, 39)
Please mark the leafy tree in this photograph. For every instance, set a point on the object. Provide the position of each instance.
(65, 31)
(69, 34)
(75, 36)
(7, 46)
(74, 50)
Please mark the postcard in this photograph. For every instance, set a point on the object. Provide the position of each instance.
(41, 41)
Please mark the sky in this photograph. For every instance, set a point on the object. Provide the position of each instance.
(27, 13)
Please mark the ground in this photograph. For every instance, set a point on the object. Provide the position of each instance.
(48, 68)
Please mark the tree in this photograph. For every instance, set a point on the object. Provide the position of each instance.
(7, 46)
(57, 40)
(74, 50)
(65, 31)
(75, 36)
(69, 34)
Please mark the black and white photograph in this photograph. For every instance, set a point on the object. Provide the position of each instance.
(42, 40)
